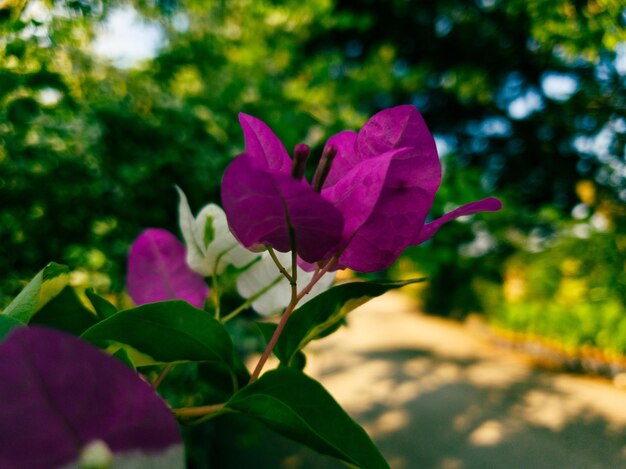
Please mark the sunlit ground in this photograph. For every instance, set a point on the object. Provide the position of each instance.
(433, 394)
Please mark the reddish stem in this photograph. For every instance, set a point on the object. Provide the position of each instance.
(283, 320)
(157, 382)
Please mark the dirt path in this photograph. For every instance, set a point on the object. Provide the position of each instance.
(434, 395)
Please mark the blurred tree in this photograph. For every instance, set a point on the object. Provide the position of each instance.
(525, 98)
(512, 86)
(530, 92)
(104, 106)
(91, 148)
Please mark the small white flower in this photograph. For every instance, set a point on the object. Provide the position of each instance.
(264, 272)
(210, 244)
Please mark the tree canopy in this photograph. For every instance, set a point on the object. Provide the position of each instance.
(525, 98)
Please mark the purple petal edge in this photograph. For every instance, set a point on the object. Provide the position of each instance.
(263, 206)
(345, 159)
(158, 271)
(64, 394)
(263, 146)
(490, 204)
(396, 127)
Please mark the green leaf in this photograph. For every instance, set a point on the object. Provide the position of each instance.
(7, 324)
(124, 357)
(209, 231)
(47, 284)
(298, 361)
(65, 312)
(22, 111)
(104, 309)
(323, 314)
(267, 330)
(165, 332)
(298, 407)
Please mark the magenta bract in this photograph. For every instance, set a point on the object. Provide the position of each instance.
(158, 271)
(412, 177)
(382, 182)
(265, 208)
(490, 204)
(60, 394)
(263, 146)
(398, 210)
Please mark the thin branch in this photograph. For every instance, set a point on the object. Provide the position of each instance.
(272, 342)
(200, 411)
(281, 269)
(157, 382)
(283, 320)
(319, 273)
(294, 265)
(250, 300)
(215, 290)
(215, 295)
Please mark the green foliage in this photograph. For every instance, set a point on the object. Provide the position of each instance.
(65, 312)
(46, 285)
(175, 333)
(297, 360)
(165, 332)
(324, 314)
(104, 309)
(574, 292)
(298, 407)
(48, 300)
(90, 149)
(7, 324)
(124, 357)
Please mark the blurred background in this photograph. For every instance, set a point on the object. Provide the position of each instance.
(104, 106)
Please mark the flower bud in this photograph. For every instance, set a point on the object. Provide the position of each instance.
(323, 168)
(300, 154)
(96, 455)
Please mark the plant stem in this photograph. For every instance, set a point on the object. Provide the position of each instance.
(279, 265)
(215, 287)
(157, 382)
(215, 290)
(233, 378)
(283, 320)
(250, 300)
(186, 412)
(205, 418)
(294, 265)
(215, 296)
(319, 273)
(272, 342)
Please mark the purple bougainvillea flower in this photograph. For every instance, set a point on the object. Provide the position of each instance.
(263, 146)
(67, 404)
(158, 271)
(266, 206)
(257, 282)
(382, 181)
(489, 204)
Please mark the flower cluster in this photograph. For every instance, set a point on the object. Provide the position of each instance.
(161, 268)
(368, 201)
(281, 239)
